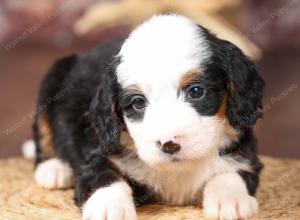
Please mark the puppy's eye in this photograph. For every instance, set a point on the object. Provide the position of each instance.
(195, 92)
(138, 103)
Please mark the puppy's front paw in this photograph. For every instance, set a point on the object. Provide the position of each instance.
(228, 199)
(114, 202)
(54, 174)
(218, 207)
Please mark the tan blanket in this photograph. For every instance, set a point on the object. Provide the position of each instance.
(21, 198)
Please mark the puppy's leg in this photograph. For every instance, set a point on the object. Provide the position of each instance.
(54, 174)
(51, 172)
(226, 197)
(102, 192)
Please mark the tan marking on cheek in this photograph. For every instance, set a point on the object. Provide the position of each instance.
(222, 113)
(126, 140)
(46, 137)
(190, 77)
(230, 132)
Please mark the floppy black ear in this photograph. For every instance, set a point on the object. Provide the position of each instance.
(245, 89)
(105, 122)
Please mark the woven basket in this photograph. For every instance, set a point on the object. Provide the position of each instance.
(21, 198)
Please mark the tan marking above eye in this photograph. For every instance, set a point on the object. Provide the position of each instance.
(134, 89)
(190, 77)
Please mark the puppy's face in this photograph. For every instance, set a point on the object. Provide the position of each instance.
(173, 91)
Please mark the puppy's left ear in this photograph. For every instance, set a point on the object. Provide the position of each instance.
(245, 89)
(105, 121)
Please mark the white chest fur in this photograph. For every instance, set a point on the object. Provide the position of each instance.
(178, 183)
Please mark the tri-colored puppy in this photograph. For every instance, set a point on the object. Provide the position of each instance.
(163, 116)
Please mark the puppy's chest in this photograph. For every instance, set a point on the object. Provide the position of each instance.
(176, 186)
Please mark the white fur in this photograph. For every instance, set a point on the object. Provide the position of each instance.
(178, 183)
(114, 202)
(155, 57)
(226, 197)
(199, 135)
(54, 174)
(160, 51)
(29, 149)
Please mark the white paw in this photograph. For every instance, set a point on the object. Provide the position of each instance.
(114, 202)
(230, 208)
(54, 174)
(28, 149)
(228, 200)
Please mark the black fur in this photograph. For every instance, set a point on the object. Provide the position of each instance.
(245, 86)
(82, 120)
(214, 87)
(96, 172)
(86, 121)
(50, 88)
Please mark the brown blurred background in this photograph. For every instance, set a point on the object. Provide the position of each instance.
(34, 33)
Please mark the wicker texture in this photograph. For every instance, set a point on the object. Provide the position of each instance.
(20, 198)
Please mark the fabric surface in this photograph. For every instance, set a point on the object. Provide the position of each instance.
(21, 198)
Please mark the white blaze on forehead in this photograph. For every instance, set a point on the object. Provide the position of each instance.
(160, 51)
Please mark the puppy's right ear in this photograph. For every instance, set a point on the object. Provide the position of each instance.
(105, 122)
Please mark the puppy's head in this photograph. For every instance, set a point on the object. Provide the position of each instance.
(183, 92)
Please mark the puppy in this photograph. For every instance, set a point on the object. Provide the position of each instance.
(163, 116)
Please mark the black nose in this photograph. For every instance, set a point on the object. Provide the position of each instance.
(170, 147)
